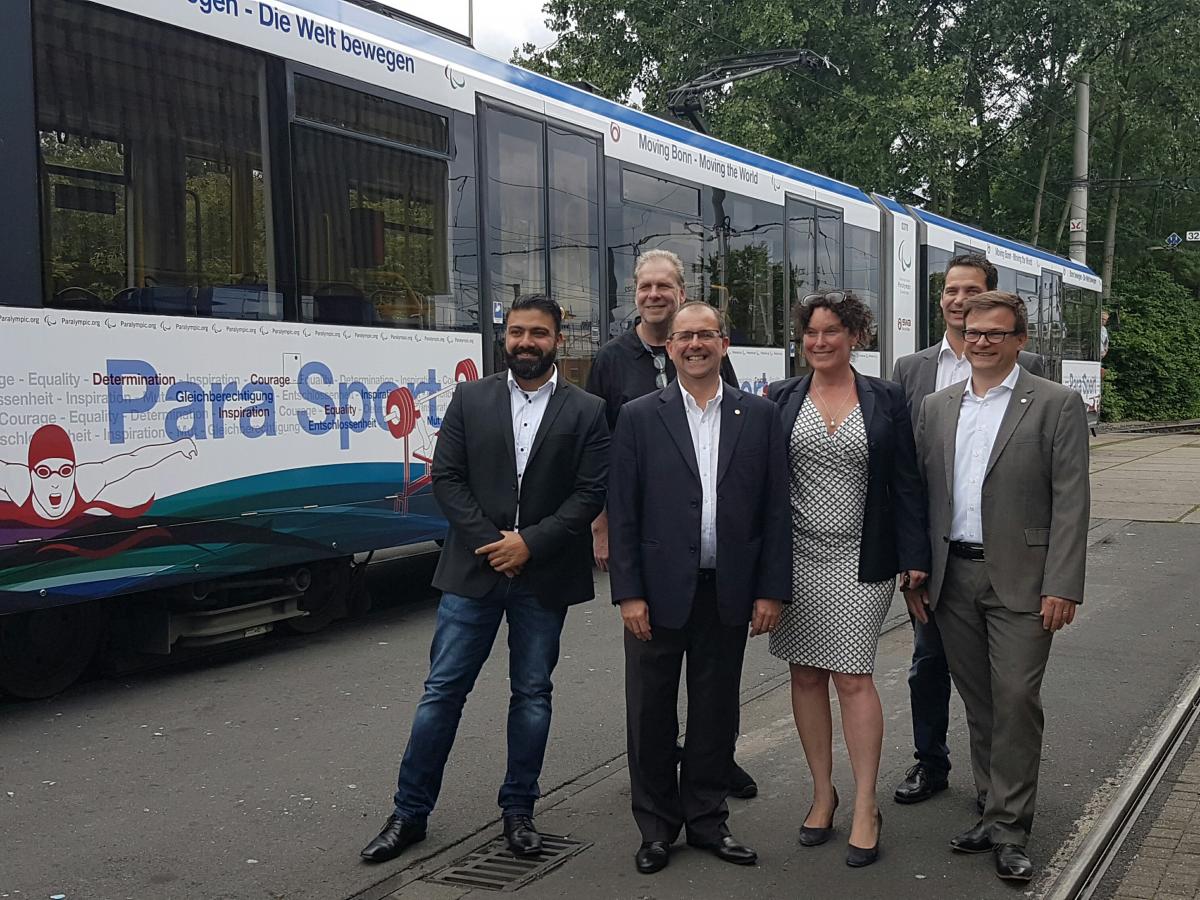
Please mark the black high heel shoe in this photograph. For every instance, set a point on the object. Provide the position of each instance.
(815, 837)
(857, 857)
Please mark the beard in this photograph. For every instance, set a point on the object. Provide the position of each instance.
(532, 367)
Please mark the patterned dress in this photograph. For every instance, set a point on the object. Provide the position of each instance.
(834, 619)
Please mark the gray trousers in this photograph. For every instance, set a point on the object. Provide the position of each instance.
(997, 658)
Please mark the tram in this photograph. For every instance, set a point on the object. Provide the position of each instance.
(252, 246)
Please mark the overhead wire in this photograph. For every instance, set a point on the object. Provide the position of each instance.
(839, 94)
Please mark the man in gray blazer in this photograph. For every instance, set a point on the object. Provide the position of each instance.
(1004, 456)
(920, 374)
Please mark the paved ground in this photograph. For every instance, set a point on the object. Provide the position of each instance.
(1154, 479)
(261, 772)
(1161, 858)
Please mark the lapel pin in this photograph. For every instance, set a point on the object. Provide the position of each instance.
(737, 412)
(1024, 399)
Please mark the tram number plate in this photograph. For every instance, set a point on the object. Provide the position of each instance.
(256, 630)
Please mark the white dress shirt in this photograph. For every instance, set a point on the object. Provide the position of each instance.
(705, 426)
(527, 411)
(951, 369)
(978, 424)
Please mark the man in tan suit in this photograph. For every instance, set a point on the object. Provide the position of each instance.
(1004, 456)
(921, 374)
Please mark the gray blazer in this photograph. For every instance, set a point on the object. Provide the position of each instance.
(1036, 496)
(917, 373)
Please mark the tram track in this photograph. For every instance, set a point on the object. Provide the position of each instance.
(1187, 426)
(1085, 875)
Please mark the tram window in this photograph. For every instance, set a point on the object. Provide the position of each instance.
(575, 246)
(935, 260)
(862, 273)
(84, 191)
(747, 280)
(661, 193)
(1027, 290)
(801, 247)
(1007, 280)
(462, 312)
(214, 248)
(829, 248)
(354, 111)
(1081, 323)
(814, 248)
(516, 208)
(634, 229)
(154, 198)
(371, 233)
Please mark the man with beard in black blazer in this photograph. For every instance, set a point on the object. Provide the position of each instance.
(701, 549)
(519, 472)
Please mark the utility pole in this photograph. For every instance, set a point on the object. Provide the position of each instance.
(1079, 183)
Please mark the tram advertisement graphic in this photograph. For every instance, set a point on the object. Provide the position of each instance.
(145, 448)
(1084, 377)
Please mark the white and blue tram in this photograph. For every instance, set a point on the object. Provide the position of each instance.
(250, 247)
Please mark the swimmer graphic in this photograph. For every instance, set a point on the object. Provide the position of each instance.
(53, 490)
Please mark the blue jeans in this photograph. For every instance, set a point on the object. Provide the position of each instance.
(462, 642)
(929, 696)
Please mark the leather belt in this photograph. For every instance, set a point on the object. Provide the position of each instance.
(708, 574)
(963, 550)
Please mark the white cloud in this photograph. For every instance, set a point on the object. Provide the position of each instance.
(501, 25)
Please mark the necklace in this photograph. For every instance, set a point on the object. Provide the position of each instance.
(833, 416)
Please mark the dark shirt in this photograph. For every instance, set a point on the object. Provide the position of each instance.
(624, 370)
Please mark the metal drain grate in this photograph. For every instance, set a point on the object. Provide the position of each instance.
(493, 867)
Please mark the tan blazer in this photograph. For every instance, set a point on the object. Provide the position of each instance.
(1036, 495)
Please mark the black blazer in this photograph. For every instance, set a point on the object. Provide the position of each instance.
(654, 508)
(894, 537)
(475, 483)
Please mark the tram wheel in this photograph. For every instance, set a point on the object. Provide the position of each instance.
(320, 615)
(43, 651)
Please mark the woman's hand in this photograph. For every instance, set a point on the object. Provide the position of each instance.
(918, 604)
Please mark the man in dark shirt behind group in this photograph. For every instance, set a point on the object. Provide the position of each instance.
(636, 363)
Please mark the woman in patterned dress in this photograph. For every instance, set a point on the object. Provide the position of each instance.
(858, 519)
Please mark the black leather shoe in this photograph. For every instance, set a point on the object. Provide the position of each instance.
(1012, 864)
(522, 836)
(815, 837)
(920, 783)
(397, 836)
(857, 857)
(652, 857)
(981, 801)
(741, 785)
(977, 839)
(728, 849)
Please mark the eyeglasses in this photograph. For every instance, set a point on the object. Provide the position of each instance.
(973, 336)
(660, 363)
(833, 298)
(44, 471)
(686, 337)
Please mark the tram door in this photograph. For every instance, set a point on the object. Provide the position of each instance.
(541, 203)
(1051, 329)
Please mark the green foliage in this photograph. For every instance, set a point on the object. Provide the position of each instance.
(1154, 354)
(966, 108)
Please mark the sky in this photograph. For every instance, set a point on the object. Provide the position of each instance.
(501, 25)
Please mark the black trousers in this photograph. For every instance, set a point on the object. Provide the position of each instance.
(665, 801)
